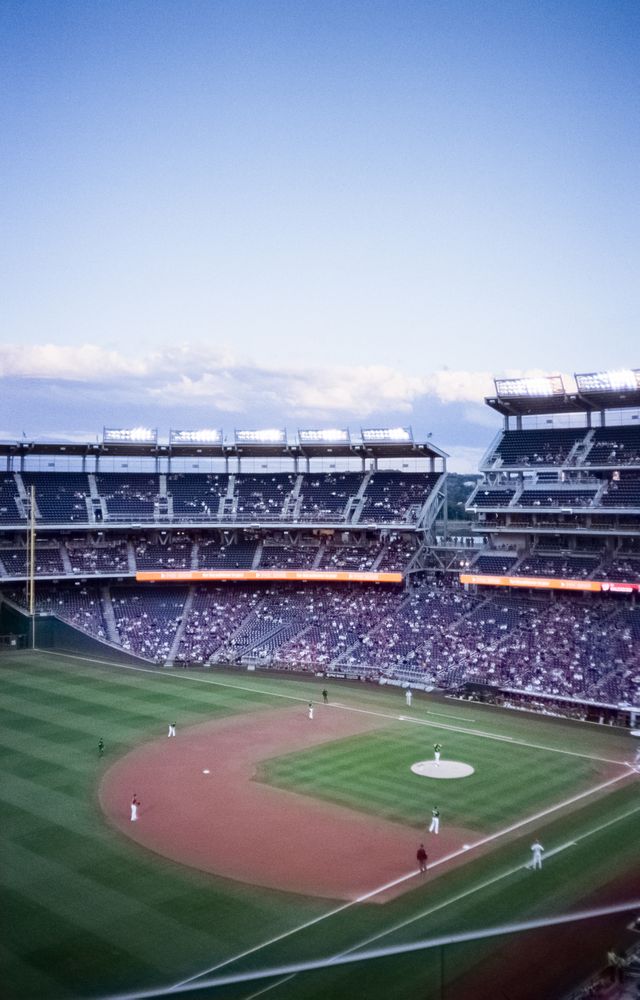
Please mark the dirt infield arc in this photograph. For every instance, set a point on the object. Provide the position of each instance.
(230, 825)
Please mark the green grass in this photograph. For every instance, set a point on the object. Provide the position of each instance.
(86, 912)
(372, 773)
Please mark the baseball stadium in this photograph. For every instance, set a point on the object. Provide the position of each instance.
(274, 724)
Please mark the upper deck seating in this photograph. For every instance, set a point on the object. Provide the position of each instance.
(9, 513)
(489, 497)
(556, 498)
(128, 496)
(324, 496)
(624, 492)
(396, 496)
(262, 497)
(537, 447)
(196, 496)
(615, 446)
(61, 497)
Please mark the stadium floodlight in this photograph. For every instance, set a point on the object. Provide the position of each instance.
(546, 385)
(614, 381)
(384, 435)
(333, 435)
(203, 436)
(129, 435)
(268, 436)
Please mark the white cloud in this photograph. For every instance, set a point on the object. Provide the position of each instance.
(197, 375)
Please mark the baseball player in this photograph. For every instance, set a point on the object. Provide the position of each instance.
(636, 759)
(408, 697)
(135, 805)
(434, 826)
(536, 855)
(311, 710)
(437, 750)
(421, 855)
(100, 747)
(325, 696)
(172, 729)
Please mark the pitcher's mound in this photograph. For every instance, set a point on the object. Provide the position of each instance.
(444, 769)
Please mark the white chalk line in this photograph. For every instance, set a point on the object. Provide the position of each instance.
(347, 708)
(404, 878)
(381, 889)
(455, 899)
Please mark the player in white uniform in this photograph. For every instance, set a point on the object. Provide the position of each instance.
(437, 750)
(408, 697)
(311, 710)
(536, 854)
(172, 729)
(134, 808)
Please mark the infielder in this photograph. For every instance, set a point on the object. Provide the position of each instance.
(135, 804)
(437, 749)
(311, 710)
(536, 854)
(435, 820)
(172, 729)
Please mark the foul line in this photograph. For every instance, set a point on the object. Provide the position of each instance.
(340, 956)
(392, 717)
(161, 672)
(403, 878)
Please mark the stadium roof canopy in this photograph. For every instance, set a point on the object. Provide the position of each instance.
(596, 391)
(354, 448)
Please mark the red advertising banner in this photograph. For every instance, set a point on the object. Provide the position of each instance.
(309, 575)
(550, 583)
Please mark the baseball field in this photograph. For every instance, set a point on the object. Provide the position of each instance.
(275, 855)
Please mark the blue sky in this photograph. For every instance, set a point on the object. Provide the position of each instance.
(310, 213)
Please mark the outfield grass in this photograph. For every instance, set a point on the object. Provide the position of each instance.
(90, 913)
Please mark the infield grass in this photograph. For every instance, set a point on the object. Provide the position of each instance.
(372, 773)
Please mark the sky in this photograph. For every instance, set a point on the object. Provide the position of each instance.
(307, 214)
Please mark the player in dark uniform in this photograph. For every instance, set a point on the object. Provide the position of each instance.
(421, 855)
(325, 696)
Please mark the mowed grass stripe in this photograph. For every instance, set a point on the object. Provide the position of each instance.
(18, 745)
(36, 983)
(78, 959)
(372, 772)
(117, 917)
(91, 691)
(48, 804)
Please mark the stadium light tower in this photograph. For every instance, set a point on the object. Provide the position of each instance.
(129, 435)
(203, 436)
(613, 381)
(333, 435)
(386, 435)
(268, 436)
(547, 385)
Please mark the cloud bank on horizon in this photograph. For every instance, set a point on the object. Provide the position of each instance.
(52, 388)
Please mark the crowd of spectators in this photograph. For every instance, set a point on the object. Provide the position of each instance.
(434, 634)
